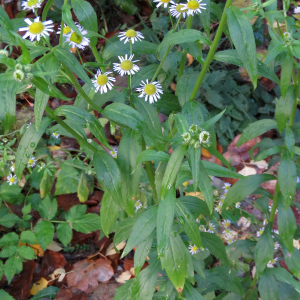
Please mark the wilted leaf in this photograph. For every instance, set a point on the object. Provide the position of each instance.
(40, 285)
(111, 249)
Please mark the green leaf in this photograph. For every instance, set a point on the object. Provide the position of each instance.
(127, 5)
(46, 9)
(193, 113)
(205, 186)
(152, 155)
(44, 231)
(168, 103)
(206, 125)
(144, 285)
(64, 233)
(5, 296)
(172, 170)
(194, 155)
(124, 115)
(12, 266)
(144, 74)
(165, 218)
(245, 187)
(68, 19)
(174, 261)
(189, 224)
(9, 239)
(87, 223)
(141, 229)
(264, 250)
(46, 185)
(181, 123)
(289, 140)
(48, 208)
(281, 48)
(26, 252)
(72, 63)
(195, 205)
(256, 129)
(8, 251)
(28, 143)
(287, 178)
(185, 87)
(287, 70)
(83, 190)
(9, 220)
(283, 275)
(25, 53)
(267, 287)
(109, 212)
(215, 246)
(28, 237)
(124, 291)
(242, 36)
(191, 293)
(184, 36)
(47, 293)
(141, 253)
(213, 169)
(286, 224)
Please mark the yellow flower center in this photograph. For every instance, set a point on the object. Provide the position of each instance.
(30, 161)
(55, 134)
(261, 232)
(131, 33)
(165, 1)
(36, 27)
(218, 207)
(186, 183)
(226, 224)
(150, 89)
(76, 38)
(66, 30)
(179, 8)
(32, 2)
(226, 231)
(137, 204)
(112, 152)
(102, 80)
(126, 65)
(195, 248)
(193, 4)
(12, 180)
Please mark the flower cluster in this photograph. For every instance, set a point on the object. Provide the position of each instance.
(196, 137)
(22, 72)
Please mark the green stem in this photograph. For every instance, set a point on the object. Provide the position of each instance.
(98, 58)
(291, 121)
(80, 90)
(62, 23)
(150, 173)
(211, 51)
(249, 292)
(69, 129)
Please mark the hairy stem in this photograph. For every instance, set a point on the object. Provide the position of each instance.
(211, 51)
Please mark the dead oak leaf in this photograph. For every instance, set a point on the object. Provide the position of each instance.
(86, 274)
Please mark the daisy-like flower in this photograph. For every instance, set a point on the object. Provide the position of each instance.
(12, 167)
(37, 29)
(238, 205)
(202, 228)
(227, 232)
(162, 2)
(272, 262)
(260, 232)
(4, 52)
(204, 137)
(193, 129)
(12, 179)
(31, 162)
(193, 249)
(103, 81)
(265, 222)
(89, 141)
(67, 30)
(177, 10)
(130, 35)
(186, 137)
(31, 4)
(219, 207)
(198, 220)
(138, 205)
(114, 152)
(78, 40)
(5, 140)
(19, 75)
(226, 223)
(297, 10)
(193, 7)
(276, 246)
(150, 90)
(28, 125)
(55, 135)
(126, 65)
(229, 241)
(216, 193)
(226, 186)
(211, 228)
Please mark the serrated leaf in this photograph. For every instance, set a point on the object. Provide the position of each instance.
(9, 220)
(64, 233)
(28, 237)
(9, 239)
(12, 266)
(5, 296)
(87, 223)
(48, 208)
(44, 231)
(26, 252)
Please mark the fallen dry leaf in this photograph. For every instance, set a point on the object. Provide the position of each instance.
(40, 285)
(197, 194)
(247, 171)
(54, 246)
(58, 272)
(173, 86)
(261, 164)
(86, 274)
(245, 223)
(296, 244)
(205, 153)
(37, 249)
(52, 261)
(111, 250)
(123, 277)
(63, 294)
(190, 58)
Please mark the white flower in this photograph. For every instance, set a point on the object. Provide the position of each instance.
(276, 231)
(28, 125)
(193, 249)
(55, 135)
(265, 222)
(297, 10)
(202, 228)
(12, 179)
(150, 90)
(198, 220)
(272, 262)
(176, 10)
(138, 205)
(19, 75)
(31, 162)
(186, 137)
(37, 29)
(67, 30)
(211, 228)
(126, 66)
(114, 152)
(229, 241)
(162, 2)
(226, 186)
(13, 166)
(193, 6)
(31, 4)
(238, 205)
(226, 223)
(89, 141)
(5, 140)
(276, 246)
(78, 40)
(219, 207)
(204, 137)
(227, 232)
(130, 35)
(102, 81)
(260, 232)
(4, 52)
